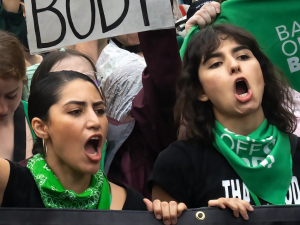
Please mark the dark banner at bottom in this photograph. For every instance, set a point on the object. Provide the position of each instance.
(264, 215)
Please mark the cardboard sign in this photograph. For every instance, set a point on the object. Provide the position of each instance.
(53, 24)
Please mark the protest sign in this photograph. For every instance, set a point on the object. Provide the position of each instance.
(262, 215)
(276, 26)
(53, 24)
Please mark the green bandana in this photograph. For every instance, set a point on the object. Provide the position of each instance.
(262, 159)
(54, 195)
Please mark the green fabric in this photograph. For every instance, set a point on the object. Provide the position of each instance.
(103, 156)
(263, 18)
(54, 195)
(262, 159)
(13, 22)
(179, 41)
(25, 104)
(26, 89)
(192, 33)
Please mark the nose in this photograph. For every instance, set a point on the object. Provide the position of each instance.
(3, 108)
(93, 121)
(234, 66)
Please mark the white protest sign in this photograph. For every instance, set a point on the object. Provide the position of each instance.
(53, 24)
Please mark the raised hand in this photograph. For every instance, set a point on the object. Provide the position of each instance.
(205, 16)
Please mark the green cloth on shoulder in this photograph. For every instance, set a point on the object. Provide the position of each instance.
(275, 25)
(25, 104)
(13, 22)
(179, 41)
(103, 156)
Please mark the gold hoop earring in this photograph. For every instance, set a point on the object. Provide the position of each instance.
(45, 147)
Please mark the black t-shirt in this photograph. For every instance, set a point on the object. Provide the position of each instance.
(22, 192)
(194, 173)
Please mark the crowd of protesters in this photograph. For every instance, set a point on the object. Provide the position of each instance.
(112, 123)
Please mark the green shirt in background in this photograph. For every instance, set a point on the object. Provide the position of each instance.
(26, 89)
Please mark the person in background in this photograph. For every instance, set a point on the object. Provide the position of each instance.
(16, 136)
(11, 18)
(120, 66)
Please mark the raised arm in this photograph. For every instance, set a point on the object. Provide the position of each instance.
(11, 5)
(11, 18)
(205, 16)
(152, 108)
(4, 175)
(92, 48)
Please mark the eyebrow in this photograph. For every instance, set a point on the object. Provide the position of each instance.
(13, 91)
(219, 54)
(95, 104)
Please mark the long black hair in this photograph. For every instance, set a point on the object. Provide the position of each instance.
(47, 93)
(198, 116)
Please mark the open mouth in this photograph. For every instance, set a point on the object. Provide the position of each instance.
(241, 88)
(92, 146)
(242, 91)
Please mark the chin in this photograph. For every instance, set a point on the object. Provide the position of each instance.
(246, 110)
(90, 169)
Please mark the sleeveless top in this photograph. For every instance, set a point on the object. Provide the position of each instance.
(20, 131)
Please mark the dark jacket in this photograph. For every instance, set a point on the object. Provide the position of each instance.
(133, 147)
(13, 22)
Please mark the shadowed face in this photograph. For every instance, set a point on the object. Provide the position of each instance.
(10, 97)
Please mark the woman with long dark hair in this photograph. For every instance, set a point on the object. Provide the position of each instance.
(236, 104)
(67, 113)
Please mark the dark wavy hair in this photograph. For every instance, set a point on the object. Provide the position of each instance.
(47, 93)
(197, 116)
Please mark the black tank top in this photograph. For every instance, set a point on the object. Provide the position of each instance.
(19, 134)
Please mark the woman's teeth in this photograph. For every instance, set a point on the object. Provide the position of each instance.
(243, 95)
(94, 138)
(94, 154)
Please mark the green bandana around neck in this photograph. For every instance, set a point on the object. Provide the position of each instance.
(54, 195)
(262, 159)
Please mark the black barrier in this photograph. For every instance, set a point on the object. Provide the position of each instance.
(264, 215)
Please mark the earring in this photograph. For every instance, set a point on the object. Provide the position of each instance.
(45, 147)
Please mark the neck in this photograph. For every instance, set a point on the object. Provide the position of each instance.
(69, 178)
(242, 125)
(32, 59)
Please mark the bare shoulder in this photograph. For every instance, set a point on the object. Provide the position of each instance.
(118, 197)
(4, 175)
